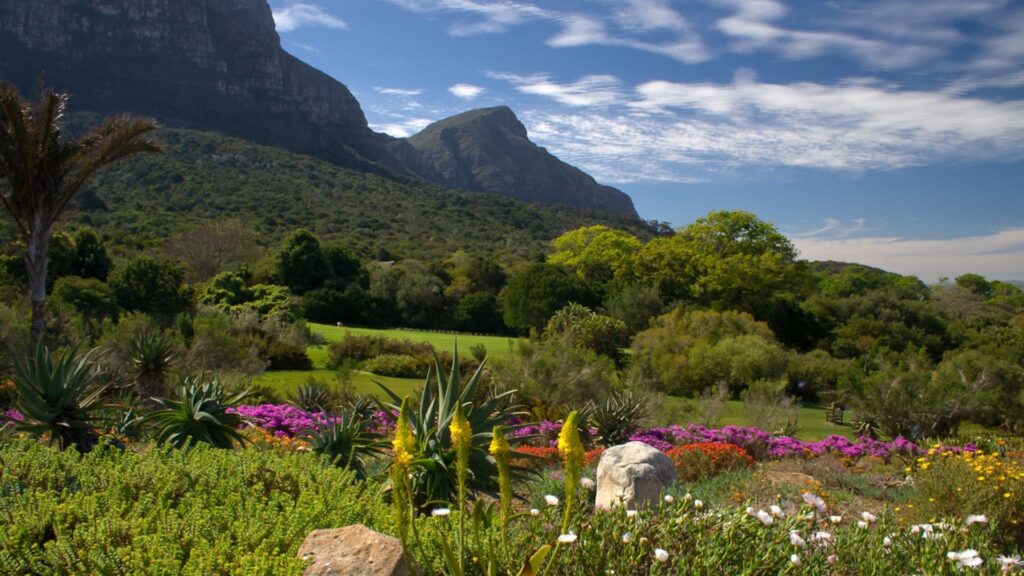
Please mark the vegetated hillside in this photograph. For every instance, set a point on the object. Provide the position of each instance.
(208, 176)
(488, 150)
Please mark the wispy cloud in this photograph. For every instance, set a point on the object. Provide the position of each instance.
(632, 20)
(834, 228)
(999, 255)
(594, 90)
(753, 26)
(306, 47)
(398, 91)
(466, 91)
(663, 130)
(299, 15)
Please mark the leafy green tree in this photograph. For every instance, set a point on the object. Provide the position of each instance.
(301, 264)
(154, 287)
(975, 283)
(596, 253)
(230, 292)
(687, 351)
(89, 297)
(583, 328)
(635, 305)
(212, 247)
(43, 171)
(537, 292)
(91, 258)
(345, 266)
(479, 312)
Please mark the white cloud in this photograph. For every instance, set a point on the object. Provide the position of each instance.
(683, 131)
(593, 90)
(997, 256)
(398, 91)
(495, 16)
(299, 15)
(402, 128)
(632, 17)
(466, 91)
(753, 28)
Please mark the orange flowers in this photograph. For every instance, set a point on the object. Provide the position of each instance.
(706, 459)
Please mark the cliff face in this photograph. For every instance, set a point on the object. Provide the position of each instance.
(205, 64)
(218, 65)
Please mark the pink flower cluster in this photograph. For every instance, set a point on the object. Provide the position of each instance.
(759, 444)
(11, 415)
(290, 421)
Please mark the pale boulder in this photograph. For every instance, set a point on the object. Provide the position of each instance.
(352, 551)
(633, 475)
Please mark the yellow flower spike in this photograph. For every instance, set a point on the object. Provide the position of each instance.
(502, 451)
(573, 454)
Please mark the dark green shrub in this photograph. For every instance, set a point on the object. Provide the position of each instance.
(282, 355)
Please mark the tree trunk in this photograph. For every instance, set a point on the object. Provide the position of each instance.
(36, 258)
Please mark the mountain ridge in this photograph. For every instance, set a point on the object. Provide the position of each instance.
(218, 65)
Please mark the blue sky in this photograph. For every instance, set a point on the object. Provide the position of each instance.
(884, 132)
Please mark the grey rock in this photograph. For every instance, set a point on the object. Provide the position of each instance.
(352, 551)
(633, 475)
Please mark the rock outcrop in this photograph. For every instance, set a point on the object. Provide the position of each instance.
(488, 150)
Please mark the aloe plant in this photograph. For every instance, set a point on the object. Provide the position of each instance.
(151, 355)
(434, 466)
(58, 397)
(345, 439)
(198, 414)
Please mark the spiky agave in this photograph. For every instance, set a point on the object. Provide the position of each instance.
(58, 397)
(435, 469)
(198, 414)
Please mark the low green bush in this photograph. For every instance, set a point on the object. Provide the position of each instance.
(195, 512)
(396, 366)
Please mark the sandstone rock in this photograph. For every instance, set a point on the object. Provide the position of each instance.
(352, 551)
(633, 475)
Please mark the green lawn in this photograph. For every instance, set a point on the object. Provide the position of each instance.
(285, 381)
(811, 424)
(497, 346)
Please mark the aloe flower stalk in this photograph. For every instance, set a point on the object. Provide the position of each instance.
(403, 449)
(462, 440)
(501, 452)
(571, 449)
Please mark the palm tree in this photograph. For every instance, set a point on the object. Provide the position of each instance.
(40, 172)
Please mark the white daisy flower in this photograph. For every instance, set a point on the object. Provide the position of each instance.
(835, 519)
(551, 499)
(796, 540)
(440, 512)
(587, 483)
(567, 538)
(669, 499)
(794, 559)
(534, 512)
(777, 511)
(868, 516)
(698, 504)
(976, 519)
(627, 537)
(631, 513)
(660, 555)
(862, 524)
(764, 517)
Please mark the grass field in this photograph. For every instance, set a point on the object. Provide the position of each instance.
(497, 346)
(811, 424)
